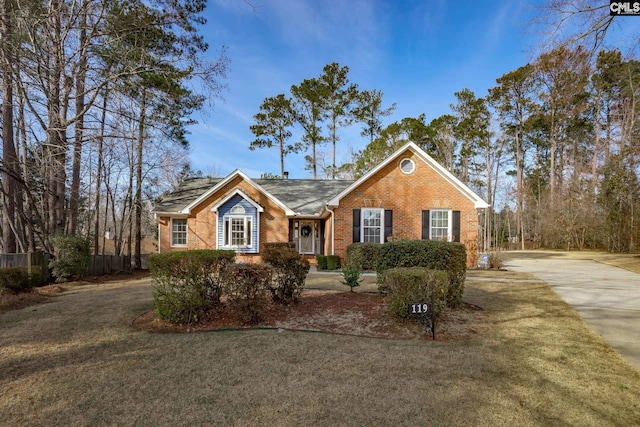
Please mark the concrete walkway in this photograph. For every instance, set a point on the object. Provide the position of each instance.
(607, 298)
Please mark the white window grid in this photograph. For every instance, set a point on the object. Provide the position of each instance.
(372, 225)
(440, 224)
(178, 232)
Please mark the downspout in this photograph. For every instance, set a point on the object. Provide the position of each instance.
(333, 229)
(155, 216)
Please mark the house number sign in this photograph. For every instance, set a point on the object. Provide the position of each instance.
(419, 308)
(424, 310)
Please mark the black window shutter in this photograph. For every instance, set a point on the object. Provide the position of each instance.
(455, 228)
(291, 230)
(388, 224)
(426, 219)
(356, 225)
(322, 238)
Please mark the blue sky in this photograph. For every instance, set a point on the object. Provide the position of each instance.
(418, 53)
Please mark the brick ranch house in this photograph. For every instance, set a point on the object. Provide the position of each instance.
(407, 196)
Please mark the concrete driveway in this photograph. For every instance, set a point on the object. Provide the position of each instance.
(606, 297)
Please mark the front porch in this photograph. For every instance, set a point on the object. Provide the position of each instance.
(308, 236)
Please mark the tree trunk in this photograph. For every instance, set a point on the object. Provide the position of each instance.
(56, 138)
(128, 207)
(96, 227)
(519, 189)
(9, 157)
(313, 160)
(281, 142)
(552, 159)
(31, 216)
(74, 201)
(465, 163)
(333, 153)
(138, 197)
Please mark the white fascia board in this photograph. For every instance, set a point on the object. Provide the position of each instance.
(232, 175)
(309, 217)
(206, 194)
(170, 214)
(460, 186)
(242, 194)
(336, 200)
(437, 167)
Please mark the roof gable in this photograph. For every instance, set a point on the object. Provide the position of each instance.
(225, 181)
(429, 161)
(236, 192)
(298, 197)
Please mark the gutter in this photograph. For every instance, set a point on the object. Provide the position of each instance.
(159, 237)
(333, 229)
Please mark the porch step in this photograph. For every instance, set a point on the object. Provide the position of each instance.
(312, 260)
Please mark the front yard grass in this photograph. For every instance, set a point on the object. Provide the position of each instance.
(76, 361)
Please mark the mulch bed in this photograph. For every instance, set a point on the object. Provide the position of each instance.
(345, 313)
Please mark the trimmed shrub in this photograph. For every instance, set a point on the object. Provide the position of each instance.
(285, 245)
(351, 278)
(178, 302)
(246, 286)
(72, 257)
(333, 262)
(431, 254)
(495, 260)
(288, 273)
(187, 283)
(406, 285)
(16, 280)
(197, 268)
(322, 262)
(35, 279)
(362, 256)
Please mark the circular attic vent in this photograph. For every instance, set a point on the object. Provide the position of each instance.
(407, 166)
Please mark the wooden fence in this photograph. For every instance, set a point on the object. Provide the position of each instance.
(108, 264)
(98, 264)
(35, 261)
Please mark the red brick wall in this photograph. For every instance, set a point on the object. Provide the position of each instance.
(407, 195)
(202, 225)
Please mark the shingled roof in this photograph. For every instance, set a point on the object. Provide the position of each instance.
(302, 196)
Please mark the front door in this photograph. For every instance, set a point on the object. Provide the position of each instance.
(307, 237)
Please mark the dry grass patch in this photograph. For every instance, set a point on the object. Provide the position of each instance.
(76, 362)
(630, 262)
(500, 275)
(10, 301)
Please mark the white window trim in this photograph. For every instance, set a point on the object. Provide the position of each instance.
(226, 220)
(362, 226)
(186, 233)
(449, 223)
